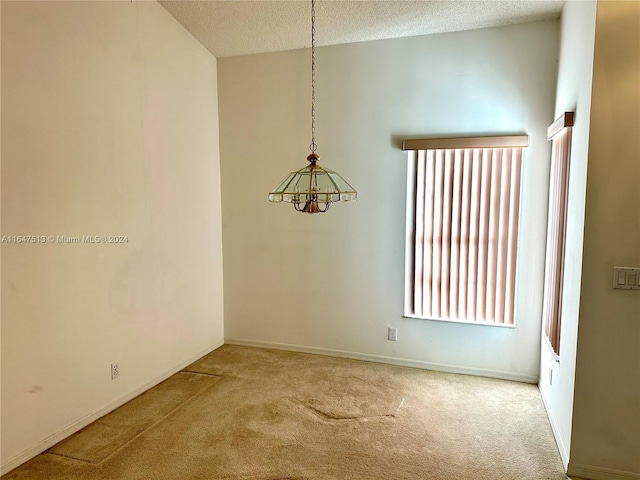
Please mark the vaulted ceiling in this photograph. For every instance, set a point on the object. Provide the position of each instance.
(228, 28)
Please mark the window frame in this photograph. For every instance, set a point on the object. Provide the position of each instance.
(559, 133)
(413, 146)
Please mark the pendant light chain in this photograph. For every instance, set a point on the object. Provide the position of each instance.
(313, 145)
(313, 189)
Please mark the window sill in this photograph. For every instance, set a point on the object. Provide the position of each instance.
(465, 322)
(555, 357)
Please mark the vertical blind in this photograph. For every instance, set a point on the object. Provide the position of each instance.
(464, 221)
(560, 134)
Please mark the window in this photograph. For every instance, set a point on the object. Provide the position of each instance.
(463, 201)
(560, 134)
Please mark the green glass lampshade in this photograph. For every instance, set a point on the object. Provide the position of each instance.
(313, 188)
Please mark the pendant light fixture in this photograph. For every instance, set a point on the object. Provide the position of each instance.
(313, 188)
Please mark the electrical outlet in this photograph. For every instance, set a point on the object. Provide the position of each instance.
(392, 334)
(115, 370)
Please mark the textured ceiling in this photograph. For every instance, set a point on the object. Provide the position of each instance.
(228, 28)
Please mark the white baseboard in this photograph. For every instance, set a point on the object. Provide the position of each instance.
(562, 448)
(590, 472)
(403, 362)
(72, 428)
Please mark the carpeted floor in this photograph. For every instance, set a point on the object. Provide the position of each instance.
(244, 413)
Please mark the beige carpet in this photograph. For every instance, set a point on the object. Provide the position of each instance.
(254, 414)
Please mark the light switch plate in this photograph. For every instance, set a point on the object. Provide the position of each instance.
(626, 278)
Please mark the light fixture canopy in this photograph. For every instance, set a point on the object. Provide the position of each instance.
(313, 188)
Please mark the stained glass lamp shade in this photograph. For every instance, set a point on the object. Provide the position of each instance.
(313, 188)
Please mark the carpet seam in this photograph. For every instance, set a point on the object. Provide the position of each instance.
(326, 417)
(203, 373)
(160, 420)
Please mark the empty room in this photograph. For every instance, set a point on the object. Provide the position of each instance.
(309, 239)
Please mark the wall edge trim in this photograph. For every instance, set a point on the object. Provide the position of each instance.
(562, 449)
(402, 362)
(73, 427)
(598, 473)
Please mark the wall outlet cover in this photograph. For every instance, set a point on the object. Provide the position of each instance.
(392, 334)
(115, 370)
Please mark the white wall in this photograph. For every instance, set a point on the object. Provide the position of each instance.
(573, 95)
(605, 441)
(334, 282)
(109, 116)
